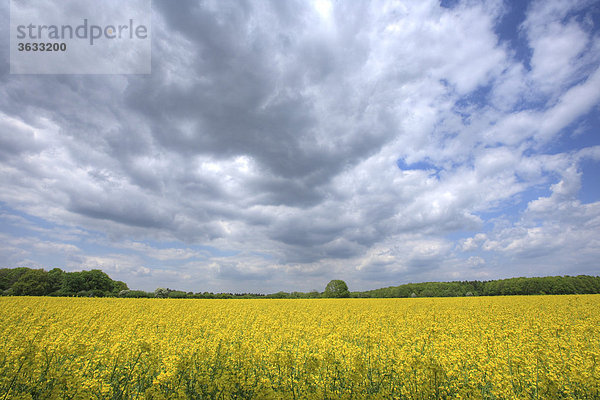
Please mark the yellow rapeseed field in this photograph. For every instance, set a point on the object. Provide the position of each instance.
(539, 347)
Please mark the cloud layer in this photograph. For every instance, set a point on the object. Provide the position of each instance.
(277, 145)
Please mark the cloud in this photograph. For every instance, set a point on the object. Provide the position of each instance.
(555, 232)
(561, 39)
(35, 253)
(278, 145)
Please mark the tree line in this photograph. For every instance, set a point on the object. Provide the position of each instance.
(56, 282)
(95, 283)
(581, 284)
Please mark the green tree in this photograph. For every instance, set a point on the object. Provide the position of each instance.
(336, 288)
(8, 276)
(56, 277)
(119, 286)
(32, 283)
(97, 280)
(177, 294)
(73, 283)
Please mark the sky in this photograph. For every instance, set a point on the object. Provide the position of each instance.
(277, 145)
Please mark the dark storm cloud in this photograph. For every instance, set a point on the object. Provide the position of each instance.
(254, 91)
(123, 211)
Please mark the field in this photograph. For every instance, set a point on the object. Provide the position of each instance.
(537, 347)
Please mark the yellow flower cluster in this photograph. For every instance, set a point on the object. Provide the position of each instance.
(544, 347)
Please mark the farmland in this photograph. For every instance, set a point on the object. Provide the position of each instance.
(535, 347)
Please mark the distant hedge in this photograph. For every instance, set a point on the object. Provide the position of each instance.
(581, 284)
(95, 283)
